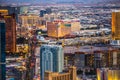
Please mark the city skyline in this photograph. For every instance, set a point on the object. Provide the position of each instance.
(67, 41)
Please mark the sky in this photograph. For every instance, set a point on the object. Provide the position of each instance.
(50, 1)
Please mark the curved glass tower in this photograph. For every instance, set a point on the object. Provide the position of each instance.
(51, 59)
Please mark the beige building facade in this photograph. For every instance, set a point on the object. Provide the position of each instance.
(69, 75)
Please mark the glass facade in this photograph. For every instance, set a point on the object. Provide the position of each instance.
(2, 51)
(115, 25)
(51, 58)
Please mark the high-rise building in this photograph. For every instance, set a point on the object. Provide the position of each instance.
(116, 25)
(51, 59)
(58, 28)
(48, 10)
(3, 12)
(108, 74)
(97, 57)
(2, 50)
(10, 23)
(79, 60)
(12, 10)
(31, 21)
(75, 26)
(61, 28)
(42, 13)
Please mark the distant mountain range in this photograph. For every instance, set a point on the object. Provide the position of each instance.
(56, 1)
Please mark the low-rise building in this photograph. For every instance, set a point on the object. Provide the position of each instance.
(70, 75)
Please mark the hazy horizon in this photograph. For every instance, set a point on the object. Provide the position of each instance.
(54, 1)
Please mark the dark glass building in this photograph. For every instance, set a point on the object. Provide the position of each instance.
(48, 11)
(2, 51)
(42, 13)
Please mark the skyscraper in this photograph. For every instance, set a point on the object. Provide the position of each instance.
(30, 21)
(42, 13)
(2, 50)
(51, 59)
(108, 74)
(10, 22)
(48, 11)
(12, 10)
(3, 12)
(116, 25)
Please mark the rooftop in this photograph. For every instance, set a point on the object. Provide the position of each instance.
(87, 49)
